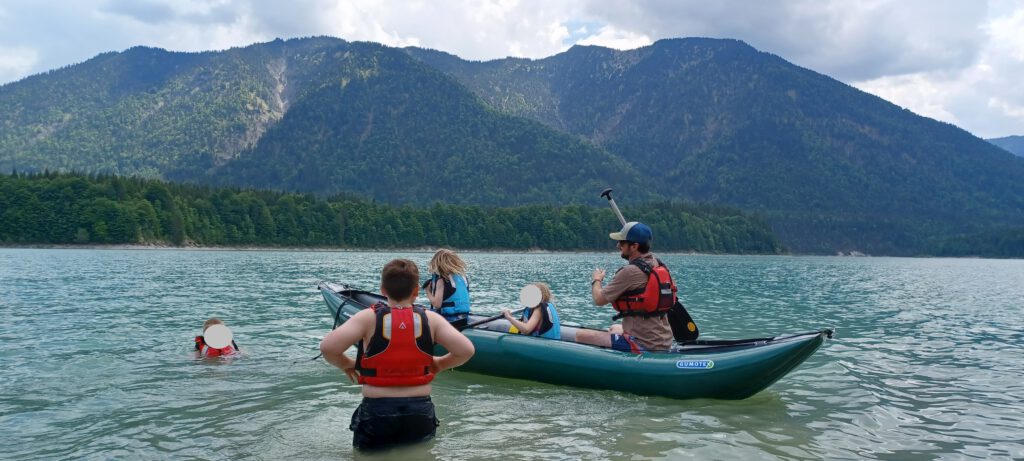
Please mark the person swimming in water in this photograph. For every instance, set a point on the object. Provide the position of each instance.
(219, 334)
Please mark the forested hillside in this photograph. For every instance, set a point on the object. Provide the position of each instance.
(319, 115)
(144, 111)
(50, 208)
(393, 129)
(698, 120)
(718, 121)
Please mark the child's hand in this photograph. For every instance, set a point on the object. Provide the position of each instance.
(353, 375)
(506, 313)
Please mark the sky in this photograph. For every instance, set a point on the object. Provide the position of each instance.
(961, 62)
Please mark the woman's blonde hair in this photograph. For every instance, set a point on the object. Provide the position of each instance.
(446, 263)
(545, 292)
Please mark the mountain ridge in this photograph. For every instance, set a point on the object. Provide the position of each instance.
(698, 119)
(732, 123)
(1012, 144)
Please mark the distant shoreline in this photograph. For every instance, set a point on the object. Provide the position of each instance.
(428, 249)
(155, 246)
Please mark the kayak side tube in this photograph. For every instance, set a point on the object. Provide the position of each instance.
(732, 372)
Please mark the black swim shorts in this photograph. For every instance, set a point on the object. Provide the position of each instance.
(384, 422)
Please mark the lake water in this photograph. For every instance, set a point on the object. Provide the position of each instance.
(96, 355)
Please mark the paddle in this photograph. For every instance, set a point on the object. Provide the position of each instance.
(683, 326)
(488, 319)
(530, 295)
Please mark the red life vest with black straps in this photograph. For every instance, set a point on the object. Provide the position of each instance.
(207, 351)
(400, 350)
(654, 299)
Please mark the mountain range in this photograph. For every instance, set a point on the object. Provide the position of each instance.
(830, 167)
(1012, 144)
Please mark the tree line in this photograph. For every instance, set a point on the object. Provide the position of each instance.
(999, 243)
(71, 208)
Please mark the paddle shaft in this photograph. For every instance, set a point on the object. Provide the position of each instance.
(489, 319)
(607, 193)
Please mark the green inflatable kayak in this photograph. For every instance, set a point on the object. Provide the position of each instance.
(719, 369)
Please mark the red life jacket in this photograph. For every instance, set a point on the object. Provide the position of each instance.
(207, 351)
(400, 351)
(654, 299)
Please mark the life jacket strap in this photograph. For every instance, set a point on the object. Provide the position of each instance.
(639, 314)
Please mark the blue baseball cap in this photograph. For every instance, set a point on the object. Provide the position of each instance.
(636, 232)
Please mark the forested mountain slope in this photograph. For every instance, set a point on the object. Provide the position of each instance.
(705, 120)
(319, 115)
(716, 120)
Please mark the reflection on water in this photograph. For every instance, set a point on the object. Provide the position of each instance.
(97, 357)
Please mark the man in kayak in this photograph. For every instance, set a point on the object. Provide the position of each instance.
(394, 361)
(638, 293)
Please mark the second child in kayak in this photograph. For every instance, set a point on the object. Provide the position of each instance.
(540, 320)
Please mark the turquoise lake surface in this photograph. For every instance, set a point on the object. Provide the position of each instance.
(97, 361)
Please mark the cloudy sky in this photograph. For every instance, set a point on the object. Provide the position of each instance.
(957, 61)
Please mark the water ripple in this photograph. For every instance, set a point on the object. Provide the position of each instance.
(98, 362)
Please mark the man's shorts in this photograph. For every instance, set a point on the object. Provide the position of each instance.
(383, 422)
(626, 343)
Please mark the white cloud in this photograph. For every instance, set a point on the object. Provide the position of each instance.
(848, 40)
(611, 37)
(1010, 110)
(16, 62)
(985, 96)
(921, 93)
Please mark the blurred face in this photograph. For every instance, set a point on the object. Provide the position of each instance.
(627, 249)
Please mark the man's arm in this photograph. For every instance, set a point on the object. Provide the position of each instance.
(334, 345)
(628, 278)
(459, 347)
(595, 287)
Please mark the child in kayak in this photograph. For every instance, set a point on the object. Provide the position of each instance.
(448, 287)
(394, 361)
(540, 320)
(221, 333)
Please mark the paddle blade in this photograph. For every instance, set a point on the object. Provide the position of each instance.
(683, 326)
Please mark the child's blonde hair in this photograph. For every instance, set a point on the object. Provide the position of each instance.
(446, 263)
(211, 322)
(545, 292)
